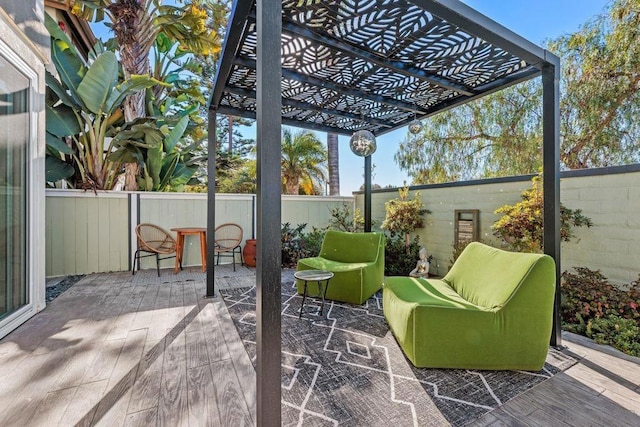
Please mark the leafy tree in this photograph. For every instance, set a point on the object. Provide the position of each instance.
(601, 83)
(303, 157)
(495, 135)
(521, 226)
(137, 24)
(501, 134)
(404, 215)
(83, 107)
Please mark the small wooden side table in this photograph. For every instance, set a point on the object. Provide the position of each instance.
(185, 231)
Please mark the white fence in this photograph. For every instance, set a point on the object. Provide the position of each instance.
(89, 233)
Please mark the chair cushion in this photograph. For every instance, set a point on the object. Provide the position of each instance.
(488, 277)
(350, 247)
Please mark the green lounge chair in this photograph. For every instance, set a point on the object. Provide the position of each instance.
(357, 262)
(493, 310)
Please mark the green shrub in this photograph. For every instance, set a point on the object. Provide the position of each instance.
(342, 219)
(399, 259)
(313, 241)
(521, 224)
(292, 244)
(297, 244)
(587, 294)
(617, 332)
(404, 215)
(591, 306)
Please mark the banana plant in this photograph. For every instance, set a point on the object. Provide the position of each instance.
(83, 106)
(155, 144)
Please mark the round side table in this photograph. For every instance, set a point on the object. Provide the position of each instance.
(321, 277)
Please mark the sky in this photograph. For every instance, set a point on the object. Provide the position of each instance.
(535, 20)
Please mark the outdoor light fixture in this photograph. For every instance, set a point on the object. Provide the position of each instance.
(415, 126)
(363, 143)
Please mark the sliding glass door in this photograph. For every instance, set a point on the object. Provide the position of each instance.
(15, 134)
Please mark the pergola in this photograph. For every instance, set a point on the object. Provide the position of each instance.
(342, 66)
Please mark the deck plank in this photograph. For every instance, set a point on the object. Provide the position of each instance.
(233, 410)
(160, 317)
(112, 409)
(172, 405)
(146, 390)
(82, 408)
(239, 358)
(146, 418)
(51, 409)
(213, 334)
(203, 406)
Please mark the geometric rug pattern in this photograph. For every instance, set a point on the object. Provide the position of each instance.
(346, 368)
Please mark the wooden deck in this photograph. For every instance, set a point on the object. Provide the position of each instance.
(116, 350)
(113, 350)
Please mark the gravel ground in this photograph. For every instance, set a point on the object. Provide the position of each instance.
(56, 290)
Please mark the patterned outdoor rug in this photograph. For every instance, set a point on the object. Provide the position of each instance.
(347, 369)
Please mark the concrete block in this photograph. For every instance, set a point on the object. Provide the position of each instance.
(609, 194)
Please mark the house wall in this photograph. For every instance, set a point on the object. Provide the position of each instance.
(609, 196)
(88, 233)
(25, 43)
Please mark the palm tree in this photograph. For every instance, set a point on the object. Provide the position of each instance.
(136, 24)
(303, 158)
(334, 171)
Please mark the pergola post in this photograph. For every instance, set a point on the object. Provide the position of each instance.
(268, 256)
(367, 194)
(211, 203)
(551, 178)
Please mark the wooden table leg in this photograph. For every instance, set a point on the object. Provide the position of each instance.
(179, 248)
(203, 250)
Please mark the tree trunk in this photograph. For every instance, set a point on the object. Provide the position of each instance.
(292, 185)
(334, 163)
(135, 45)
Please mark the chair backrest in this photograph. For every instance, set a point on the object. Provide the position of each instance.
(228, 235)
(489, 277)
(352, 247)
(152, 238)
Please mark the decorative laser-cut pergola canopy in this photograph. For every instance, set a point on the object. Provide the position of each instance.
(372, 64)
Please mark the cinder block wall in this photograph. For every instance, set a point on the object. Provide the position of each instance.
(609, 196)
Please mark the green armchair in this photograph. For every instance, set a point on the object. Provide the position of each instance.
(493, 310)
(357, 262)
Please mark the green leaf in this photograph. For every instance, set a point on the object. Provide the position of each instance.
(68, 65)
(154, 164)
(183, 174)
(57, 144)
(168, 167)
(126, 154)
(56, 169)
(96, 85)
(56, 32)
(163, 43)
(60, 91)
(61, 121)
(176, 134)
(132, 85)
